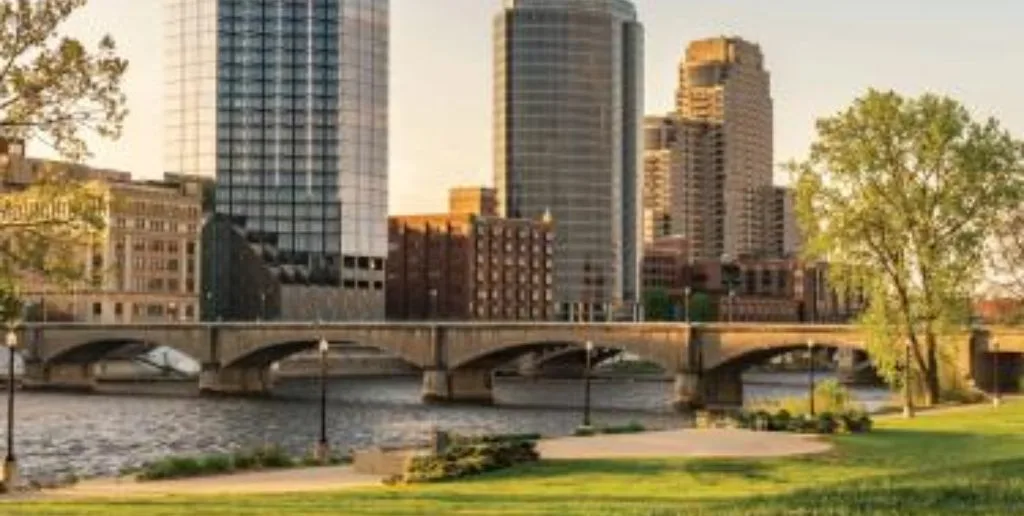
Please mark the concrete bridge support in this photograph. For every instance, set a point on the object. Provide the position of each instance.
(59, 376)
(688, 393)
(235, 381)
(471, 385)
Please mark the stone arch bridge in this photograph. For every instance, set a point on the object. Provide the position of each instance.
(457, 359)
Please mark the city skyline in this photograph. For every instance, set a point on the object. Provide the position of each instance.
(821, 57)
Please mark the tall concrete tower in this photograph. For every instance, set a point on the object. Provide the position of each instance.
(568, 112)
(724, 106)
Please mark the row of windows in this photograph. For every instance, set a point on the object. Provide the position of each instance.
(149, 310)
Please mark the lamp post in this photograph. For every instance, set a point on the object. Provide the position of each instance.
(908, 394)
(433, 304)
(810, 374)
(263, 306)
(10, 463)
(732, 302)
(996, 397)
(322, 448)
(686, 302)
(586, 386)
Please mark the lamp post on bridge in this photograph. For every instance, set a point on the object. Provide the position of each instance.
(686, 303)
(10, 463)
(586, 386)
(322, 448)
(810, 374)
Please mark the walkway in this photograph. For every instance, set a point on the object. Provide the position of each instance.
(263, 482)
(679, 443)
(683, 443)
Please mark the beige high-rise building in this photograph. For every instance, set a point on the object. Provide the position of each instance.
(725, 137)
(660, 176)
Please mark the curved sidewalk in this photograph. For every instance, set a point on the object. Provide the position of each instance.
(683, 443)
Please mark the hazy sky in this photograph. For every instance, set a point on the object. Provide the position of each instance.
(821, 54)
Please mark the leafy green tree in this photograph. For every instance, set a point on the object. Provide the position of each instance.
(701, 308)
(658, 306)
(55, 91)
(902, 194)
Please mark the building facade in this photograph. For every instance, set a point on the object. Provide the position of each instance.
(663, 194)
(285, 103)
(146, 269)
(567, 137)
(746, 290)
(724, 104)
(470, 266)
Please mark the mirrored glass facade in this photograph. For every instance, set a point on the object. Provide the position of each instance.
(568, 115)
(285, 102)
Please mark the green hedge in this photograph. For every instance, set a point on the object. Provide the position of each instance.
(853, 422)
(631, 428)
(462, 460)
(267, 457)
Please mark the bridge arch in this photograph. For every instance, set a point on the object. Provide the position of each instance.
(265, 355)
(89, 345)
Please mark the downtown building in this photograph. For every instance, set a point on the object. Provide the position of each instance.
(568, 141)
(724, 153)
(470, 264)
(285, 104)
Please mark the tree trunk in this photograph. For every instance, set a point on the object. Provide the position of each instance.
(932, 386)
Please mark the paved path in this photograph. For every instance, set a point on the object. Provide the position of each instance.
(683, 443)
(679, 443)
(264, 482)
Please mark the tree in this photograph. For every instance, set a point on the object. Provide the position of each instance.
(701, 308)
(53, 90)
(658, 306)
(901, 195)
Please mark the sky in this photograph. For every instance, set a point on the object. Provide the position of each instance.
(821, 53)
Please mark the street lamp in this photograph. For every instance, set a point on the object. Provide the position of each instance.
(686, 302)
(586, 386)
(10, 463)
(263, 305)
(322, 448)
(433, 304)
(810, 373)
(908, 395)
(732, 302)
(996, 397)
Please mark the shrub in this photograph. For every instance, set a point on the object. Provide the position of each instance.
(216, 463)
(632, 428)
(780, 421)
(465, 460)
(584, 431)
(854, 422)
(826, 423)
(273, 457)
(172, 467)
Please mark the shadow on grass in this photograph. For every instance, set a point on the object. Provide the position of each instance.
(704, 470)
(986, 487)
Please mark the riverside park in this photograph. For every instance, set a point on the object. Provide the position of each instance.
(951, 460)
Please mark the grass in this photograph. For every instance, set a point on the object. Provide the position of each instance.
(965, 461)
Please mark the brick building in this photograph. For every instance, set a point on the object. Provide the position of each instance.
(470, 264)
(765, 290)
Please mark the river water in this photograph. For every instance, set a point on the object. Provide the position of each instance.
(89, 435)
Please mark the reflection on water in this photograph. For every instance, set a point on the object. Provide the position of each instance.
(100, 434)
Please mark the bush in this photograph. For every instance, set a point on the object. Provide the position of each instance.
(854, 422)
(584, 431)
(632, 428)
(851, 421)
(780, 421)
(215, 464)
(172, 467)
(465, 460)
(826, 423)
(273, 457)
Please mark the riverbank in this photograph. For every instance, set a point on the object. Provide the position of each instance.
(962, 461)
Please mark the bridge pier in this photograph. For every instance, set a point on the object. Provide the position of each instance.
(723, 387)
(235, 381)
(687, 392)
(59, 376)
(473, 386)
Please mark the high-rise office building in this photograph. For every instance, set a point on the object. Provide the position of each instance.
(567, 117)
(285, 103)
(664, 191)
(725, 111)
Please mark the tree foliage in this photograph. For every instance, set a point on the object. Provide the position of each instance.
(658, 305)
(56, 91)
(901, 195)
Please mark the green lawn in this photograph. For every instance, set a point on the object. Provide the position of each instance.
(959, 462)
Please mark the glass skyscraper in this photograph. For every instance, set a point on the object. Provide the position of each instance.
(567, 135)
(285, 103)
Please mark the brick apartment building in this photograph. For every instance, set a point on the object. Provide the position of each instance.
(763, 290)
(469, 264)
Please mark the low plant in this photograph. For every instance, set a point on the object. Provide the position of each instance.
(267, 457)
(632, 427)
(465, 460)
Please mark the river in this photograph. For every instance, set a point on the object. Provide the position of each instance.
(99, 434)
